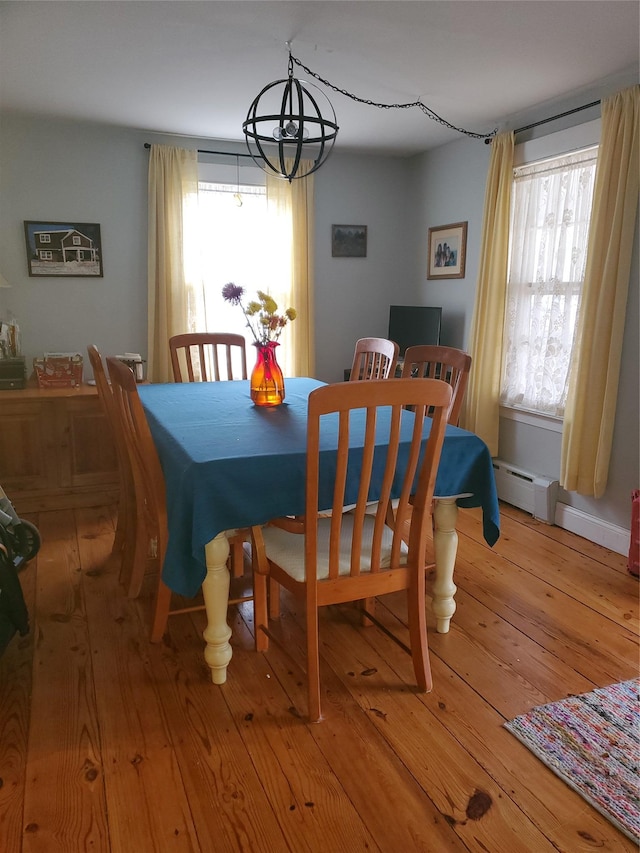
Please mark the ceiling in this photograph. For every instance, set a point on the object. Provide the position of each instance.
(193, 68)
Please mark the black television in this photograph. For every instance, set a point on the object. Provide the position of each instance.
(410, 325)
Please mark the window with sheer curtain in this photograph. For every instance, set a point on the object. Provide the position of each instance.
(550, 214)
(244, 239)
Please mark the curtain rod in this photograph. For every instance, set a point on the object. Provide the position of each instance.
(204, 151)
(487, 140)
(553, 118)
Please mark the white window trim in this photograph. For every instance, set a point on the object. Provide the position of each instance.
(536, 419)
(557, 144)
(246, 173)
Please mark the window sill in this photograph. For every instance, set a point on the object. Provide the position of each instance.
(536, 419)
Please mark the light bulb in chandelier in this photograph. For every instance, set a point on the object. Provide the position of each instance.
(290, 131)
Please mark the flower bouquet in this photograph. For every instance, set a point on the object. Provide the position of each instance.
(266, 325)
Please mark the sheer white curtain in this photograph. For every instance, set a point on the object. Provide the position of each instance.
(241, 243)
(264, 245)
(551, 209)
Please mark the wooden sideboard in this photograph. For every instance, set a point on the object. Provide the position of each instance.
(56, 449)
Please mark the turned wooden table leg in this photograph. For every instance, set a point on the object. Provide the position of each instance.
(445, 544)
(215, 589)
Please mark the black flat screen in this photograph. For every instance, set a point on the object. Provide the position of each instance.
(410, 325)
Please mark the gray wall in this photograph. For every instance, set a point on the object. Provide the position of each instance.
(448, 186)
(352, 295)
(56, 170)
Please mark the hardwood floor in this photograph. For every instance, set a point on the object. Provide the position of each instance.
(108, 743)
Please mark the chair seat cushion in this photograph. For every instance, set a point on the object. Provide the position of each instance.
(287, 549)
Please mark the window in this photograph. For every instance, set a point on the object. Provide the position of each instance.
(551, 209)
(243, 239)
(45, 238)
(46, 255)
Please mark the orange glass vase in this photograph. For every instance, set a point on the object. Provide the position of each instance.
(267, 381)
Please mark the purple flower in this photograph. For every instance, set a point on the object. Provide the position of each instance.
(232, 293)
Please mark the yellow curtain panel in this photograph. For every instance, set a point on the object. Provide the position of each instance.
(481, 408)
(593, 382)
(172, 199)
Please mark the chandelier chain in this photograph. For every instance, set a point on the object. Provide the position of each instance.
(425, 109)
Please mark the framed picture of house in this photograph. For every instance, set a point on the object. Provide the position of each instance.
(348, 241)
(447, 251)
(63, 248)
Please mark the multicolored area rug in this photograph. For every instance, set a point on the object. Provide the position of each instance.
(592, 742)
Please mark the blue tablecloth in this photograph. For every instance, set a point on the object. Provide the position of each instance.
(229, 464)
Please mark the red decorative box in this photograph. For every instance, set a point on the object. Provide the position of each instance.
(58, 371)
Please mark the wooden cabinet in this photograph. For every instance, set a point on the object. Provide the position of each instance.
(56, 449)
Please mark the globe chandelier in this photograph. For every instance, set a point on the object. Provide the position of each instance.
(285, 128)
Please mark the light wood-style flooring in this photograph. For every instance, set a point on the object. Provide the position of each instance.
(108, 743)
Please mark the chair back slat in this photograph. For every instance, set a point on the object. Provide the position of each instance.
(202, 355)
(203, 362)
(374, 358)
(449, 364)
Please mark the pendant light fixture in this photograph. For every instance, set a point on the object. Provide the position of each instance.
(285, 125)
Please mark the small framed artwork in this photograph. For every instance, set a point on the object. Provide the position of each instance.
(447, 251)
(348, 241)
(63, 248)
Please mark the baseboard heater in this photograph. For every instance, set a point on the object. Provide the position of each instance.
(534, 493)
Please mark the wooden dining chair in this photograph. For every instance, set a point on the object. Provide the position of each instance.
(208, 356)
(436, 362)
(201, 355)
(374, 358)
(148, 480)
(355, 556)
(134, 544)
(448, 364)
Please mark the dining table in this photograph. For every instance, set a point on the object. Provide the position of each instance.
(229, 465)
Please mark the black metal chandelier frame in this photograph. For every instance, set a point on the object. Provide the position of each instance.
(299, 123)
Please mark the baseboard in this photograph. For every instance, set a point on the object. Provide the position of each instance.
(610, 536)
